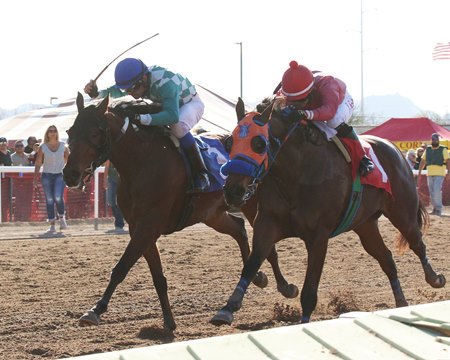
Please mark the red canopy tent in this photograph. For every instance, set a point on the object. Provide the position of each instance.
(410, 133)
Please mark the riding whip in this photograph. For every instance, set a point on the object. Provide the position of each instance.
(139, 43)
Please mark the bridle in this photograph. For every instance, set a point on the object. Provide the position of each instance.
(103, 149)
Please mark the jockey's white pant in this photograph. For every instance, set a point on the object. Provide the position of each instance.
(344, 112)
(190, 115)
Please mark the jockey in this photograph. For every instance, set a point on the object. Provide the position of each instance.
(182, 107)
(323, 98)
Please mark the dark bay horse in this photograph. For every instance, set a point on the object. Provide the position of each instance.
(304, 192)
(152, 196)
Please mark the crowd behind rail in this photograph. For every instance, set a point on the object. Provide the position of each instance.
(25, 153)
(51, 154)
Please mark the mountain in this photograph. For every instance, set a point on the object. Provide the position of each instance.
(384, 107)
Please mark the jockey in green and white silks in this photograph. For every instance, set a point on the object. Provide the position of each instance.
(182, 107)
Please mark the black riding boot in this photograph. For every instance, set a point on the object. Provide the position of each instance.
(198, 168)
(366, 165)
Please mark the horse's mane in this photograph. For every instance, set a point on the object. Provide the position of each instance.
(123, 108)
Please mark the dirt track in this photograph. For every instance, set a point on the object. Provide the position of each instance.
(47, 283)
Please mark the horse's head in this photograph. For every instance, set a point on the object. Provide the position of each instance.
(248, 156)
(88, 143)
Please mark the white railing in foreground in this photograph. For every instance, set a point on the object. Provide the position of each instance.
(30, 169)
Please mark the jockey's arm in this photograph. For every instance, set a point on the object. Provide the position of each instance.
(170, 113)
(329, 103)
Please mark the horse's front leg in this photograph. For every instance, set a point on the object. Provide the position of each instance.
(265, 234)
(317, 250)
(133, 252)
(159, 280)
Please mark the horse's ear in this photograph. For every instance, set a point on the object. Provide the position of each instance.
(103, 107)
(240, 109)
(80, 102)
(265, 115)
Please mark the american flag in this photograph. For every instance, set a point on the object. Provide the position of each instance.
(441, 51)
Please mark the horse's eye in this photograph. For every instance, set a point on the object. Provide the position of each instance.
(258, 144)
(228, 143)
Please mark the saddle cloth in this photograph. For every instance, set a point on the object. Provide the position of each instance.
(378, 177)
(214, 155)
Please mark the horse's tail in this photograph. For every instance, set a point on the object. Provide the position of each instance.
(423, 220)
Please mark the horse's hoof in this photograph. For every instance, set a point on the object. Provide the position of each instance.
(440, 281)
(260, 280)
(289, 291)
(89, 318)
(401, 303)
(170, 325)
(223, 317)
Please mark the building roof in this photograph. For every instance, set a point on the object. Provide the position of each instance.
(219, 116)
(409, 129)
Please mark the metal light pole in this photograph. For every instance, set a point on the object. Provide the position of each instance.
(362, 64)
(240, 57)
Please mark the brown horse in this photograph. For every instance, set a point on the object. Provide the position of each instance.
(304, 192)
(152, 195)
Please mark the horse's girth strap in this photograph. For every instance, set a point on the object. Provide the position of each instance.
(342, 148)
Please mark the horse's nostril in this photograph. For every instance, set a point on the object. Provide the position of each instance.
(236, 192)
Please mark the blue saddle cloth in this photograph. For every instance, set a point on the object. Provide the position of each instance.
(214, 155)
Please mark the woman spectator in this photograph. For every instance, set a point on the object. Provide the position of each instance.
(411, 158)
(419, 153)
(52, 154)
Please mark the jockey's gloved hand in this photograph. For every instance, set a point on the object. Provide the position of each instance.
(91, 89)
(291, 114)
(302, 115)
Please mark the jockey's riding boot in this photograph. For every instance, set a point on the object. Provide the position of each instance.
(365, 165)
(198, 168)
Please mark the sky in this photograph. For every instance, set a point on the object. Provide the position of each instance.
(53, 48)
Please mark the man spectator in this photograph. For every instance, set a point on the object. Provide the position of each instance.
(5, 155)
(436, 158)
(111, 183)
(19, 158)
(30, 142)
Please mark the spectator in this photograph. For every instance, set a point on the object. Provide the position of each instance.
(436, 158)
(52, 154)
(419, 153)
(33, 154)
(111, 182)
(411, 158)
(5, 154)
(30, 143)
(19, 158)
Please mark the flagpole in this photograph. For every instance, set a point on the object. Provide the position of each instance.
(362, 62)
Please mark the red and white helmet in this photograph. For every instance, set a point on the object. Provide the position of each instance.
(297, 81)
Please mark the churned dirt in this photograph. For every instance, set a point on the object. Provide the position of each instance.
(47, 283)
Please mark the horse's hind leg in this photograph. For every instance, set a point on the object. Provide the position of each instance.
(234, 226)
(154, 263)
(373, 243)
(409, 226)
